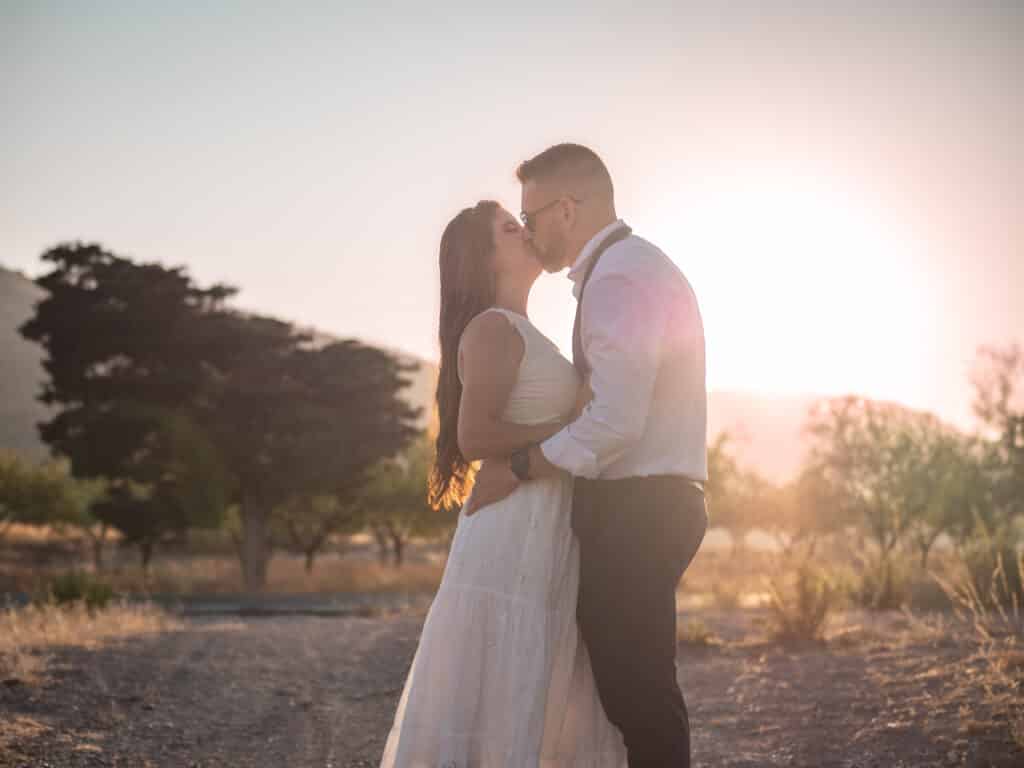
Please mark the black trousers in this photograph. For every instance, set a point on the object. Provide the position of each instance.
(637, 536)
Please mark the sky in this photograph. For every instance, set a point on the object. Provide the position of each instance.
(841, 183)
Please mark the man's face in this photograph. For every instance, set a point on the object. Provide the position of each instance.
(544, 226)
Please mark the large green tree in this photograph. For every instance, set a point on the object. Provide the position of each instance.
(294, 420)
(128, 351)
(186, 406)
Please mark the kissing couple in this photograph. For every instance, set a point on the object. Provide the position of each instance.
(551, 641)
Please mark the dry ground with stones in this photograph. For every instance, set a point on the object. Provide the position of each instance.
(308, 691)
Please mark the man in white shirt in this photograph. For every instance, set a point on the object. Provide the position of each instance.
(637, 450)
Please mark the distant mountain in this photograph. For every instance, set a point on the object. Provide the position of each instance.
(21, 371)
(766, 429)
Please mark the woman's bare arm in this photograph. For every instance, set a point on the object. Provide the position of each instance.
(491, 351)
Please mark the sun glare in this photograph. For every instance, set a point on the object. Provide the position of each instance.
(802, 288)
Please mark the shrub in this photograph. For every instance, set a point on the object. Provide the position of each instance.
(995, 613)
(78, 586)
(696, 633)
(995, 572)
(883, 584)
(800, 604)
(925, 594)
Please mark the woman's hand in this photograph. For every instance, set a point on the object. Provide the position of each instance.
(493, 482)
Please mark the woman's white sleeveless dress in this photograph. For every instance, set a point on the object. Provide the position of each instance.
(501, 678)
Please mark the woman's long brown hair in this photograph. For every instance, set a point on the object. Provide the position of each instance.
(467, 289)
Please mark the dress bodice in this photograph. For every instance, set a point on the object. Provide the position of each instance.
(547, 384)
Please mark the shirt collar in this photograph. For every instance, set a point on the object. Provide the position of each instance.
(579, 267)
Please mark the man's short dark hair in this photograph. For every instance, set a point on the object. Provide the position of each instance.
(571, 161)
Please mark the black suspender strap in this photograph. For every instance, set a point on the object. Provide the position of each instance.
(578, 357)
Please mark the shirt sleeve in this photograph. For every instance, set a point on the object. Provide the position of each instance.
(623, 324)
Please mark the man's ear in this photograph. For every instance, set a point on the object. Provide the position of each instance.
(568, 208)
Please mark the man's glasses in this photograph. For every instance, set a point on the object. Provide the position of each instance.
(529, 218)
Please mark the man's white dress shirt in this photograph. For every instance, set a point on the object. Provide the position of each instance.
(643, 339)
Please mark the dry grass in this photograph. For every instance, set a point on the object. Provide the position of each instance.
(27, 634)
(288, 575)
(740, 571)
(730, 580)
(18, 533)
(695, 633)
(21, 727)
(219, 575)
(285, 575)
(727, 595)
(996, 620)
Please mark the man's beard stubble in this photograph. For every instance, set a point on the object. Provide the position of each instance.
(552, 259)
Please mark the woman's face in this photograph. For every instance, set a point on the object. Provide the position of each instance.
(514, 256)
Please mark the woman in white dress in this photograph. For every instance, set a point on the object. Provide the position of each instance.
(500, 678)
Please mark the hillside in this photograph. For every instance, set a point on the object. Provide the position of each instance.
(21, 372)
(765, 430)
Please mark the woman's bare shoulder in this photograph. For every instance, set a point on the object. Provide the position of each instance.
(489, 329)
(491, 337)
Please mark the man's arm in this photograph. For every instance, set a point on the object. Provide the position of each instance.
(624, 320)
(495, 480)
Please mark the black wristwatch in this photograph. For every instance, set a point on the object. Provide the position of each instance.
(519, 462)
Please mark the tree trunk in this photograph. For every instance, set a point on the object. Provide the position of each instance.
(926, 548)
(255, 548)
(382, 543)
(97, 548)
(310, 556)
(397, 546)
(236, 542)
(146, 550)
(6, 521)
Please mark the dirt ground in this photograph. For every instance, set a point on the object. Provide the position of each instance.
(304, 691)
